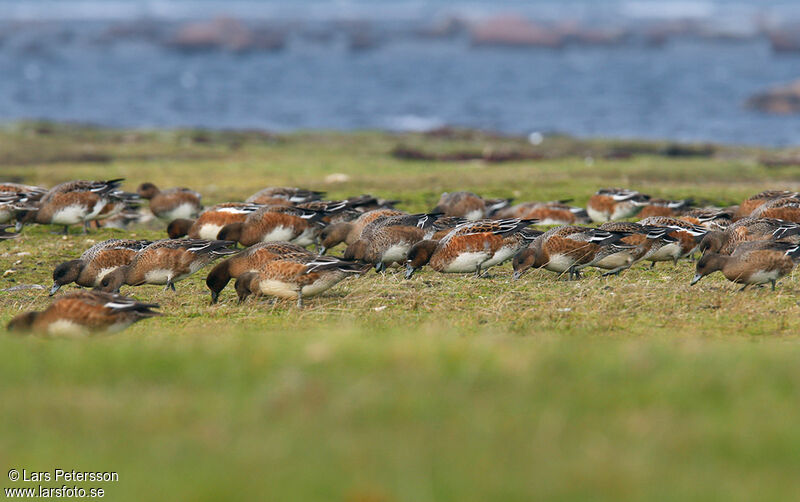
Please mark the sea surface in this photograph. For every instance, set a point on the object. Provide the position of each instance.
(109, 63)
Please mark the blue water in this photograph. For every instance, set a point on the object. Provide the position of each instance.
(688, 89)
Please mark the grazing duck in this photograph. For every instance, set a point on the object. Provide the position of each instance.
(350, 231)
(468, 205)
(641, 241)
(166, 262)
(211, 220)
(745, 230)
(387, 240)
(297, 277)
(15, 198)
(611, 204)
(710, 218)
(752, 203)
(251, 259)
(96, 262)
(757, 262)
(80, 312)
(472, 247)
(665, 207)
(784, 208)
(546, 213)
(76, 202)
(686, 234)
(281, 196)
(280, 223)
(171, 204)
(564, 249)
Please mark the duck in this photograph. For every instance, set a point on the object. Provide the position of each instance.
(751, 263)
(472, 247)
(612, 204)
(665, 207)
(250, 260)
(166, 262)
(641, 241)
(469, 205)
(783, 208)
(96, 262)
(172, 203)
(82, 312)
(280, 223)
(296, 277)
(687, 238)
(564, 249)
(745, 230)
(387, 240)
(284, 196)
(209, 223)
(75, 202)
(750, 204)
(16, 197)
(350, 231)
(711, 218)
(547, 213)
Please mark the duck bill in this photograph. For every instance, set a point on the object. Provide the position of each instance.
(410, 271)
(695, 279)
(516, 275)
(321, 250)
(54, 289)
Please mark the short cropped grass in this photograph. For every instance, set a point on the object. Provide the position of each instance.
(444, 387)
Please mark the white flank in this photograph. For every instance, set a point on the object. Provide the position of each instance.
(65, 327)
(69, 215)
(396, 253)
(278, 234)
(502, 254)
(597, 216)
(764, 276)
(559, 263)
(158, 276)
(466, 262)
(209, 231)
(184, 211)
(625, 210)
(666, 252)
(616, 260)
(277, 288)
(474, 215)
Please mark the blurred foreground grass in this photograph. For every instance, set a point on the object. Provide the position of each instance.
(439, 388)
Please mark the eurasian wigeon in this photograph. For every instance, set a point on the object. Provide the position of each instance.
(251, 259)
(687, 235)
(387, 240)
(81, 312)
(711, 218)
(565, 249)
(97, 261)
(469, 205)
(280, 223)
(350, 231)
(297, 277)
(76, 202)
(611, 204)
(284, 196)
(757, 262)
(665, 207)
(547, 213)
(472, 247)
(745, 230)
(166, 262)
(753, 202)
(172, 203)
(783, 208)
(211, 220)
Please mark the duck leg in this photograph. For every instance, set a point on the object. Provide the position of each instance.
(66, 229)
(773, 284)
(169, 285)
(743, 288)
(85, 227)
(299, 299)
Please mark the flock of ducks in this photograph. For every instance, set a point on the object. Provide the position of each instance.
(753, 243)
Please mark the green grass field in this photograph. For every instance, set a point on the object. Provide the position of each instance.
(442, 388)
